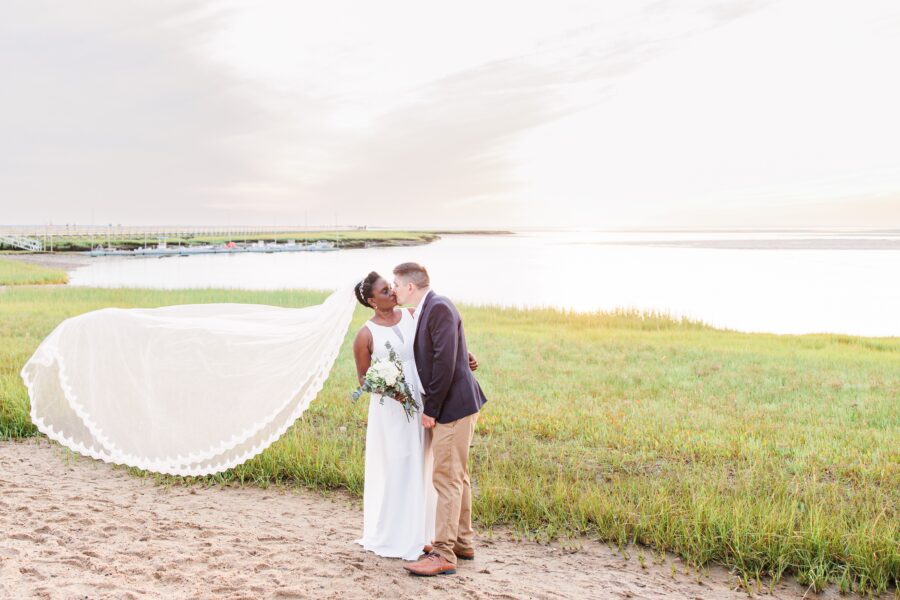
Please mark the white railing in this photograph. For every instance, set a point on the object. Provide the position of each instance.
(24, 243)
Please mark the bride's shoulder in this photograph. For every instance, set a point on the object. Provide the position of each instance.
(364, 333)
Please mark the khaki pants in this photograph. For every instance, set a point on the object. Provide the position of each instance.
(453, 525)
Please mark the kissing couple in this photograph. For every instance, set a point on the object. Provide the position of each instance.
(417, 501)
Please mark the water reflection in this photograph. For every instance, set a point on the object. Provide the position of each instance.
(766, 288)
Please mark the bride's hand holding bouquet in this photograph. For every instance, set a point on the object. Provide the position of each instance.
(385, 377)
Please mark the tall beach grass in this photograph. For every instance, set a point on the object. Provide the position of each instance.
(16, 272)
(768, 454)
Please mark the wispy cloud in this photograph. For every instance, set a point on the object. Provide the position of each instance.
(109, 109)
(504, 113)
(443, 145)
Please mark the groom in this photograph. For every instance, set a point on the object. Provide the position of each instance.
(451, 399)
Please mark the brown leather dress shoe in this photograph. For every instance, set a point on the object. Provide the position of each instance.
(432, 564)
(464, 554)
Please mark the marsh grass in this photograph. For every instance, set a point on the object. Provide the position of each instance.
(15, 272)
(768, 454)
(352, 238)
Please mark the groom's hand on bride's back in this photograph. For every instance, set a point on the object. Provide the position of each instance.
(473, 362)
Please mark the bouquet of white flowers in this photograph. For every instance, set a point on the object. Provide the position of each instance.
(386, 377)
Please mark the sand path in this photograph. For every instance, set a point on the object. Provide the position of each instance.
(72, 527)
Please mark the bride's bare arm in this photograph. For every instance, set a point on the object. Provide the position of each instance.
(362, 352)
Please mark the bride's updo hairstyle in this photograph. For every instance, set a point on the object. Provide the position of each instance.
(363, 289)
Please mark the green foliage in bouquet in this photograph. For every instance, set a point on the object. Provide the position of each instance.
(386, 377)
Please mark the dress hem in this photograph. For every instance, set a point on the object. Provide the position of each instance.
(373, 549)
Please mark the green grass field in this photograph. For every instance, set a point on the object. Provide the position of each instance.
(14, 272)
(768, 454)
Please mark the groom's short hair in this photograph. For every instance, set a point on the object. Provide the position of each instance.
(414, 273)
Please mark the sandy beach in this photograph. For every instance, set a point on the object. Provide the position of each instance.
(78, 528)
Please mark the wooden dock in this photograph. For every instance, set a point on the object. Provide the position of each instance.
(45, 238)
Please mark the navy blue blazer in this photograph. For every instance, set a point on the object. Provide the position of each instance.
(449, 389)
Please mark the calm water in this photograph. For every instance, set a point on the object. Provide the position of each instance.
(778, 282)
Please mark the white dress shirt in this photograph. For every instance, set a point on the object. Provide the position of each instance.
(415, 313)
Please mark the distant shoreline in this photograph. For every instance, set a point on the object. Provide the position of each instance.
(67, 261)
(72, 257)
(751, 244)
(73, 246)
(473, 232)
(364, 238)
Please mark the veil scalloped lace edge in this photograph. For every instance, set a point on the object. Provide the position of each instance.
(191, 465)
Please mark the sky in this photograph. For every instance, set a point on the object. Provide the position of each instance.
(501, 114)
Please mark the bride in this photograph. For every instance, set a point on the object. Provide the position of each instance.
(398, 500)
(197, 389)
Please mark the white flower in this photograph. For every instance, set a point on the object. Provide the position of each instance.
(390, 373)
(386, 371)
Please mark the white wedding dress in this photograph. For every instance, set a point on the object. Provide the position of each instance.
(399, 500)
(183, 390)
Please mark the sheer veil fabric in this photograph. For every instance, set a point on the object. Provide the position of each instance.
(183, 390)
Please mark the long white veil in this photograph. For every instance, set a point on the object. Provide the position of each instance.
(184, 390)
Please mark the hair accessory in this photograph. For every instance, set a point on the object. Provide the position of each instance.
(362, 294)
